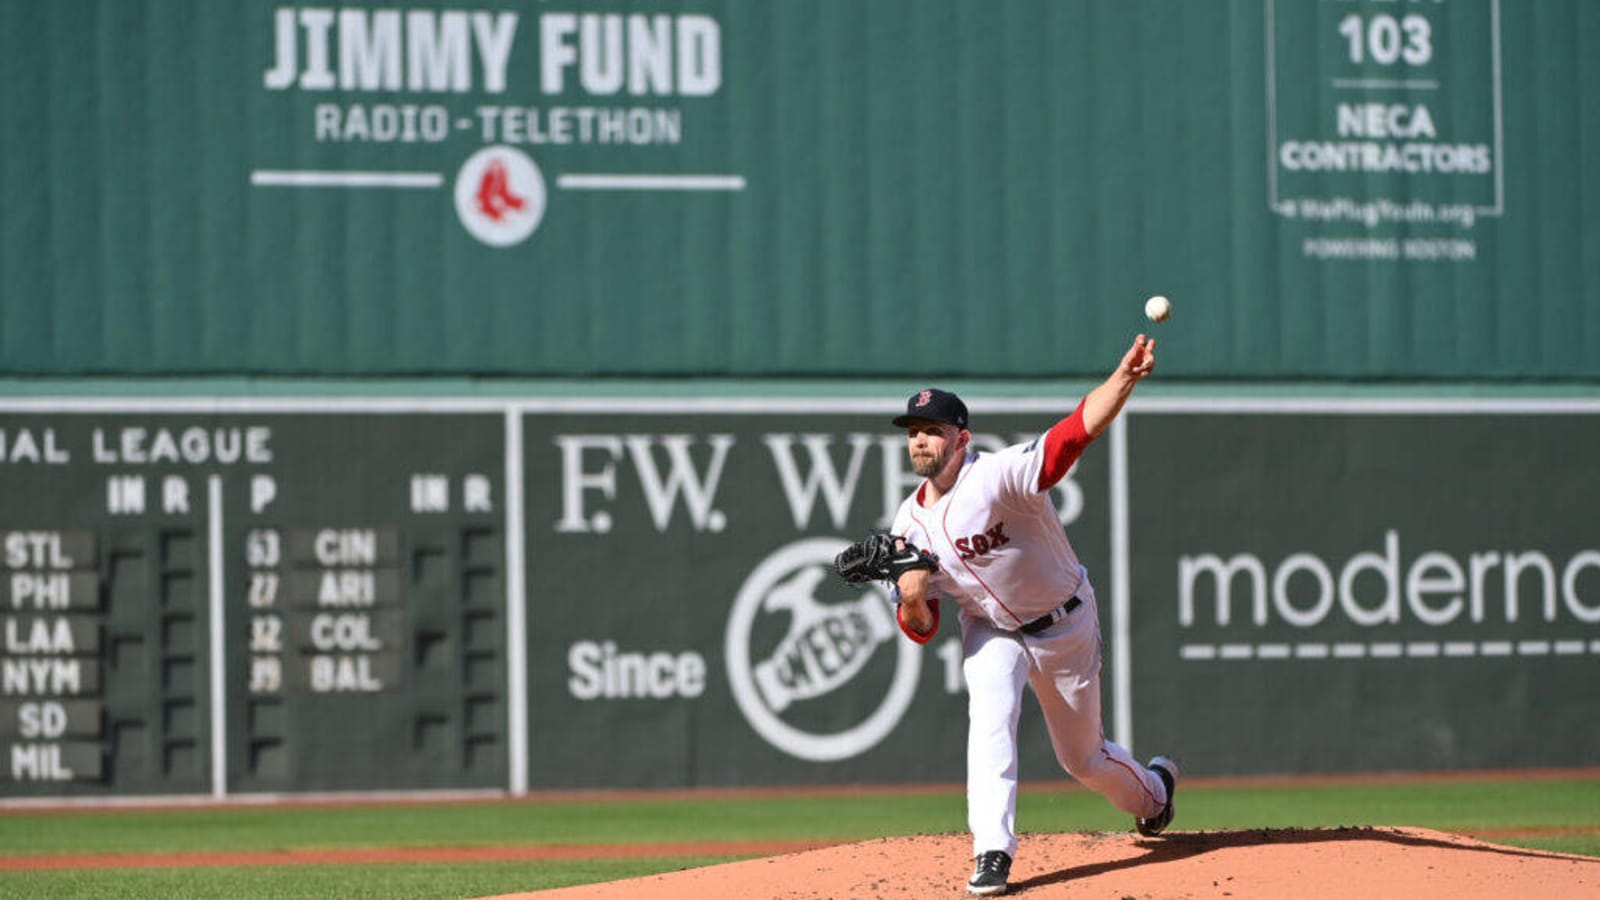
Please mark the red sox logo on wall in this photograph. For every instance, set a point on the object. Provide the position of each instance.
(500, 196)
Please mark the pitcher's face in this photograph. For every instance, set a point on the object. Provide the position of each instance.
(932, 446)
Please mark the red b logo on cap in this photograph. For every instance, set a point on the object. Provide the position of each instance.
(924, 398)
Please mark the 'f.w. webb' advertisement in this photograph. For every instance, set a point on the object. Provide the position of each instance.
(685, 624)
(1309, 590)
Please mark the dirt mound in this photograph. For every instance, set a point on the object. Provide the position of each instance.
(1306, 864)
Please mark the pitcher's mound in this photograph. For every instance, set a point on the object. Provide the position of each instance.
(1341, 863)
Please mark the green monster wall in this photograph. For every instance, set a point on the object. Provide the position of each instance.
(1358, 190)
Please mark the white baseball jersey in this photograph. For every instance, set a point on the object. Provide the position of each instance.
(1003, 555)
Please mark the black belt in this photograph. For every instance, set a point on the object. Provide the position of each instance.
(1051, 617)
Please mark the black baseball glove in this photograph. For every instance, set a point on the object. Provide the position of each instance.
(881, 556)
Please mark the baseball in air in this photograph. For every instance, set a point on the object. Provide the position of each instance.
(1158, 309)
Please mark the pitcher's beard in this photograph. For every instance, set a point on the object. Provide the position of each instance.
(925, 466)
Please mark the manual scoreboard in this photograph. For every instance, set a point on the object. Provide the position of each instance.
(219, 602)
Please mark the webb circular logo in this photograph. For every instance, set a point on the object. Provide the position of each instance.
(500, 195)
(812, 650)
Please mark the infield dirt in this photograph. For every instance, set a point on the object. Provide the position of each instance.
(1308, 864)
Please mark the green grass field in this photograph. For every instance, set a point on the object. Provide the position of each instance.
(1555, 814)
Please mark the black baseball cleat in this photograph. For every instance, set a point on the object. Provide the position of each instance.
(990, 873)
(1167, 771)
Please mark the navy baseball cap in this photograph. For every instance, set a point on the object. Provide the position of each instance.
(934, 405)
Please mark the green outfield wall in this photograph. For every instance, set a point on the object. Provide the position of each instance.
(265, 596)
(1353, 190)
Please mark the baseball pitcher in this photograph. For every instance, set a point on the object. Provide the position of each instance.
(982, 531)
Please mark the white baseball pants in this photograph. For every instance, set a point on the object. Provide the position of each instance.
(1062, 664)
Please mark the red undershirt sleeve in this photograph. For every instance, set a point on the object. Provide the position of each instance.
(923, 637)
(1063, 444)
